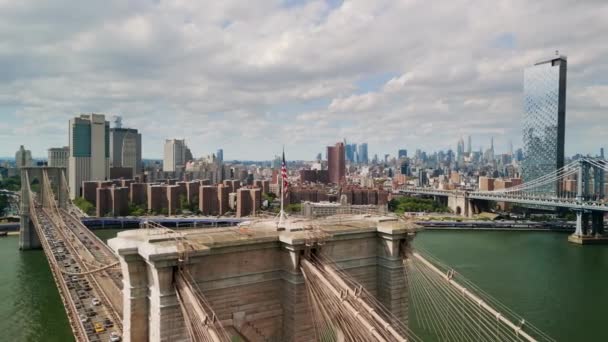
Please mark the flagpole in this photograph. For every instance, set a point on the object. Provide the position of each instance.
(281, 223)
(282, 213)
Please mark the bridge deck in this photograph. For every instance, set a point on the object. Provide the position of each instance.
(77, 291)
(99, 253)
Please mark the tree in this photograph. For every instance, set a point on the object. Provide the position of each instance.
(136, 210)
(183, 202)
(85, 205)
(11, 183)
(293, 208)
(413, 204)
(194, 204)
(269, 196)
(3, 203)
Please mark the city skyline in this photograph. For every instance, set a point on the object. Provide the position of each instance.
(260, 90)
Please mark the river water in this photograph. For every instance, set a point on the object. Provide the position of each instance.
(559, 287)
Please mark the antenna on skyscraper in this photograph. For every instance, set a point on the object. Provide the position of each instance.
(117, 121)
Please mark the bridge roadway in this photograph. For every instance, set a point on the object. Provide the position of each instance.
(98, 253)
(549, 201)
(82, 294)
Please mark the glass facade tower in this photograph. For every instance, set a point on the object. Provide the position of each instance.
(544, 119)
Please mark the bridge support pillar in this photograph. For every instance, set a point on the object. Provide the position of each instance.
(297, 322)
(135, 298)
(460, 205)
(586, 234)
(585, 222)
(582, 223)
(391, 283)
(151, 311)
(597, 223)
(166, 320)
(251, 275)
(28, 238)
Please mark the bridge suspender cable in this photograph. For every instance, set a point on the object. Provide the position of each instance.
(310, 269)
(474, 298)
(332, 273)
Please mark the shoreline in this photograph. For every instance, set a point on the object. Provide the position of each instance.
(502, 226)
(500, 229)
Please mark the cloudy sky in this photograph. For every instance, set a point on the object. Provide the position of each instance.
(249, 76)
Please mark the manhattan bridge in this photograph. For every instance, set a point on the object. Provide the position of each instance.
(587, 199)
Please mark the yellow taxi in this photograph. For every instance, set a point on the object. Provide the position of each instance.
(99, 328)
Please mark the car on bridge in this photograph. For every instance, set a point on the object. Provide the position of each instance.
(107, 323)
(115, 337)
(99, 328)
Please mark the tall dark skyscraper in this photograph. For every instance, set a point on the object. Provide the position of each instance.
(336, 163)
(402, 153)
(363, 156)
(219, 155)
(125, 149)
(351, 152)
(544, 118)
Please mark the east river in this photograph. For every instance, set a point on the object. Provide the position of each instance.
(559, 287)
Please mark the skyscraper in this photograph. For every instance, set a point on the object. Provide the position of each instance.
(336, 163)
(58, 156)
(402, 154)
(350, 151)
(544, 118)
(89, 157)
(363, 157)
(125, 149)
(23, 158)
(460, 150)
(469, 146)
(220, 155)
(175, 155)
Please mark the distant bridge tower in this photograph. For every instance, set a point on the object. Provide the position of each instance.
(590, 185)
(28, 238)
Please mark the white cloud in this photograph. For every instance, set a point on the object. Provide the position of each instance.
(250, 76)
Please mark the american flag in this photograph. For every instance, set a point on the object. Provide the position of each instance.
(284, 175)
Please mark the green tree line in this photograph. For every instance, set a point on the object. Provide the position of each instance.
(413, 204)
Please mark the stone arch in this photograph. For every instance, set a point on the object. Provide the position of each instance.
(458, 210)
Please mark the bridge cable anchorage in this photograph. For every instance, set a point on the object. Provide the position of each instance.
(453, 312)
